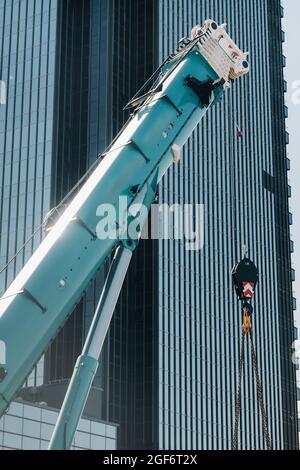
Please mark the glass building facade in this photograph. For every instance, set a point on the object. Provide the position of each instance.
(27, 74)
(168, 372)
(30, 427)
(27, 70)
(242, 183)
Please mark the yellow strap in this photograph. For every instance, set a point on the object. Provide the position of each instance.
(246, 322)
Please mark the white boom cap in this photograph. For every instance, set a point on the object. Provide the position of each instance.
(220, 51)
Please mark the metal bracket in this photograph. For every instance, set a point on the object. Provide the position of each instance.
(168, 99)
(4, 399)
(3, 373)
(137, 147)
(29, 296)
(83, 225)
(131, 142)
(203, 89)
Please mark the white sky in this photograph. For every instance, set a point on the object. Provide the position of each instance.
(292, 75)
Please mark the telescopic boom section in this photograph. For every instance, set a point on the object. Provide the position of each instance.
(43, 294)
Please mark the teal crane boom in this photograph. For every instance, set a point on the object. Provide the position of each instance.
(43, 294)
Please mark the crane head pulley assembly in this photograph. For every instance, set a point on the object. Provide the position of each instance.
(229, 61)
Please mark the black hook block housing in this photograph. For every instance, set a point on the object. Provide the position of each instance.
(245, 277)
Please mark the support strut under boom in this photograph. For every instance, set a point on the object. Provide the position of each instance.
(87, 363)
